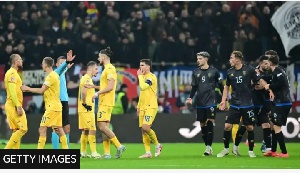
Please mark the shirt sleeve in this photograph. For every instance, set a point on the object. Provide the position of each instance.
(12, 78)
(194, 79)
(48, 81)
(111, 74)
(255, 77)
(228, 82)
(278, 80)
(61, 69)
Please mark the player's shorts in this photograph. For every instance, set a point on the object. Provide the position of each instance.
(65, 113)
(147, 116)
(206, 113)
(235, 114)
(279, 115)
(264, 113)
(51, 119)
(14, 120)
(86, 120)
(104, 113)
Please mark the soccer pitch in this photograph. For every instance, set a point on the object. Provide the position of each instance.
(187, 156)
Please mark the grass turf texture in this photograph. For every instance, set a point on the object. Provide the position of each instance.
(187, 156)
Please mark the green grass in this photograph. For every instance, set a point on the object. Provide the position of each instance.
(187, 156)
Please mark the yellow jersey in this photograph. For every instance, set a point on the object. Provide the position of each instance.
(12, 76)
(86, 79)
(109, 72)
(148, 92)
(51, 95)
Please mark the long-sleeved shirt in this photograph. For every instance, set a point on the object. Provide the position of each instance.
(61, 71)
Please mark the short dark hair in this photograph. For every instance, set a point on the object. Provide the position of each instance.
(107, 52)
(12, 58)
(204, 54)
(91, 63)
(271, 52)
(61, 57)
(274, 60)
(238, 54)
(49, 61)
(262, 58)
(147, 62)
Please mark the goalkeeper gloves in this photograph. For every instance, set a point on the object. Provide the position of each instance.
(87, 107)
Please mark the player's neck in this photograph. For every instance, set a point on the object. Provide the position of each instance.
(204, 67)
(15, 67)
(146, 72)
(106, 62)
(89, 74)
(238, 66)
(49, 70)
(273, 67)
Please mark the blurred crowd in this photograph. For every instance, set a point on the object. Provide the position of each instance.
(169, 31)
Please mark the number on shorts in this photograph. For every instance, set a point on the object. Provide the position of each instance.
(147, 118)
(250, 113)
(44, 119)
(100, 114)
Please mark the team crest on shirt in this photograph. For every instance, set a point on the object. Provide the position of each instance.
(209, 75)
(244, 73)
(198, 75)
(12, 79)
(231, 74)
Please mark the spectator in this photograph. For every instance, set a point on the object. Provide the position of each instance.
(181, 99)
(133, 106)
(164, 106)
(121, 103)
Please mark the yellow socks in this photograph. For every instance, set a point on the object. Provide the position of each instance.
(64, 142)
(92, 142)
(116, 142)
(41, 143)
(106, 147)
(235, 128)
(14, 139)
(83, 142)
(153, 137)
(146, 141)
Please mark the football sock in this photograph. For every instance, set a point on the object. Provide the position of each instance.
(55, 140)
(92, 142)
(83, 142)
(106, 147)
(251, 140)
(281, 142)
(210, 132)
(64, 143)
(153, 137)
(239, 136)
(17, 145)
(15, 137)
(146, 141)
(204, 134)
(267, 137)
(116, 142)
(235, 128)
(41, 142)
(226, 138)
(68, 139)
(274, 141)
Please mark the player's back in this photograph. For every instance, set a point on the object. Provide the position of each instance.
(109, 72)
(86, 79)
(282, 95)
(51, 95)
(12, 76)
(149, 95)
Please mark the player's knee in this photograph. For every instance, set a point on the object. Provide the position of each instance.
(92, 132)
(146, 128)
(277, 128)
(265, 125)
(67, 130)
(250, 127)
(43, 131)
(227, 127)
(24, 130)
